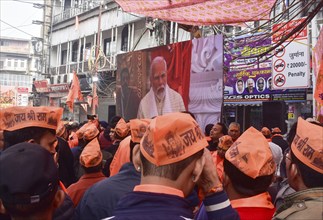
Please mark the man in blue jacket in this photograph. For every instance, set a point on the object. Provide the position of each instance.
(173, 161)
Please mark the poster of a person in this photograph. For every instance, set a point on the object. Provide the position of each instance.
(261, 85)
(160, 99)
(250, 86)
(239, 86)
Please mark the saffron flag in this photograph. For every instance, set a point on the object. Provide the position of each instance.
(74, 92)
(318, 68)
(76, 22)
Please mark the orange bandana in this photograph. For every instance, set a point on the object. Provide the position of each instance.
(308, 144)
(171, 138)
(138, 128)
(251, 154)
(15, 118)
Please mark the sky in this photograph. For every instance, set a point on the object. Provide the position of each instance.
(20, 14)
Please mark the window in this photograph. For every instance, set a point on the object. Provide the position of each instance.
(4, 43)
(22, 63)
(9, 63)
(74, 51)
(1, 64)
(15, 63)
(63, 57)
(107, 46)
(87, 46)
(124, 39)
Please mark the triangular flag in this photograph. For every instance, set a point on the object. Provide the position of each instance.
(74, 92)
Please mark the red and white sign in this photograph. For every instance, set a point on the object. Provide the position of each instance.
(282, 29)
(291, 61)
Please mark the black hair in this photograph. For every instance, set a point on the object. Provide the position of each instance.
(224, 128)
(132, 146)
(25, 134)
(208, 129)
(94, 169)
(245, 185)
(291, 134)
(114, 121)
(169, 171)
(190, 113)
(310, 177)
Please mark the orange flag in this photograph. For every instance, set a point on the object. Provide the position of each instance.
(75, 92)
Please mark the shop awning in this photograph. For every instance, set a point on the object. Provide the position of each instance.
(201, 12)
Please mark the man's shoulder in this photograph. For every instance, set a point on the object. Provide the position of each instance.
(305, 204)
(174, 93)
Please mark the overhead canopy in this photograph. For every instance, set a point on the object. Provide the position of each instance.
(201, 12)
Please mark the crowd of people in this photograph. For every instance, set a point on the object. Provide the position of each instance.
(165, 167)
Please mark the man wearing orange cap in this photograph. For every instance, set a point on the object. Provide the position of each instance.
(169, 172)
(278, 139)
(304, 166)
(102, 198)
(275, 149)
(64, 156)
(248, 172)
(91, 163)
(120, 132)
(35, 125)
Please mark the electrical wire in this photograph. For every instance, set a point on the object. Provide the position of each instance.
(16, 28)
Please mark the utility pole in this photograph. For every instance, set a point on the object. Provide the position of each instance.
(95, 99)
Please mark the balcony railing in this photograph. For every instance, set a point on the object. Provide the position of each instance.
(71, 12)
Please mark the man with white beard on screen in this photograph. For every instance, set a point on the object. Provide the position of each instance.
(160, 99)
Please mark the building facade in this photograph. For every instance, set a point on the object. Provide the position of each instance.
(19, 66)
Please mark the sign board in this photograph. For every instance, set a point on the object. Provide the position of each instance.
(291, 61)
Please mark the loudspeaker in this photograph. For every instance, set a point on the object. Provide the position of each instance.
(274, 114)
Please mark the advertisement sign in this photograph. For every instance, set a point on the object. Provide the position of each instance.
(248, 78)
(7, 96)
(41, 86)
(171, 78)
(291, 60)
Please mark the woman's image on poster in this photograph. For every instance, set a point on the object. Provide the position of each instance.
(261, 85)
(239, 86)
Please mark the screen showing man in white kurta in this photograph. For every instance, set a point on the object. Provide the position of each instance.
(160, 99)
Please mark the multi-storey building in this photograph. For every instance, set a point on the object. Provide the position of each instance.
(18, 67)
(82, 29)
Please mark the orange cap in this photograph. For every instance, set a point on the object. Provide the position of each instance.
(80, 132)
(90, 131)
(60, 128)
(251, 154)
(138, 128)
(225, 142)
(276, 130)
(121, 129)
(171, 138)
(91, 155)
(19, 117)
(265, 131)
(307, 145)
